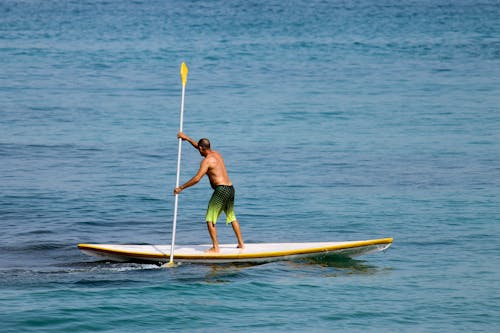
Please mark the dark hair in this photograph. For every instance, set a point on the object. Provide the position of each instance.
(204, 143)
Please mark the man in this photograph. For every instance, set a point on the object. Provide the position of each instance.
(223, 197)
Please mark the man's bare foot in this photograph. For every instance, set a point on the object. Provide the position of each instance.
(240, 246)
(212, 250)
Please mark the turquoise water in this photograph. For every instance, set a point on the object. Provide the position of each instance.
(338, 120)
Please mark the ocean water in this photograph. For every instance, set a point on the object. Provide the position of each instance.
(338, 120)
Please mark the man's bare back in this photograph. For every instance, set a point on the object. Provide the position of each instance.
(216, 171)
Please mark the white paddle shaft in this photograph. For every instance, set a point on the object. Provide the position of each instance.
(176, 204)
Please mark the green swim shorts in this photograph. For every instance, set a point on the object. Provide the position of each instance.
(222, 200)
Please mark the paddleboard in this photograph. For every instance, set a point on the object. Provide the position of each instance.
(229, 253)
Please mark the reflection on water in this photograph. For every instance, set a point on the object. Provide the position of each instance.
(189, 273)
(212, 273)
(329, 266)
(333, 266)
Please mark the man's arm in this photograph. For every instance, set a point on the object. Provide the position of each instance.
(199, 175)
(184, 137)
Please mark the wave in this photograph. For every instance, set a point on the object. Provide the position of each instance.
(36, 247)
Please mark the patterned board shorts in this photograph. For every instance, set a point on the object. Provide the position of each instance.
(222, 200)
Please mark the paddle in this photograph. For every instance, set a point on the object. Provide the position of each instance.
(184, 73)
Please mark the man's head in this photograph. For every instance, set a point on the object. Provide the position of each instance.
(203, 146)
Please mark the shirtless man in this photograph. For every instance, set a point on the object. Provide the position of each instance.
(223, 197)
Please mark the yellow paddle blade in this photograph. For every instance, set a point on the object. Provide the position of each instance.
(184, 73)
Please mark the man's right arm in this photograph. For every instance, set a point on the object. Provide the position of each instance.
(184, 137)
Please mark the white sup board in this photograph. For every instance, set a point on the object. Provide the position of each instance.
(229, 253)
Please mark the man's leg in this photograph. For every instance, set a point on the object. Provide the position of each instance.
(237, 232)
(213, 235)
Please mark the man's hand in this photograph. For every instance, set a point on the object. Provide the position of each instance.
(182, 136)
(177, 190)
